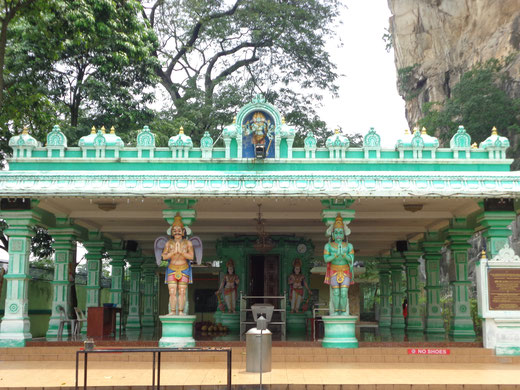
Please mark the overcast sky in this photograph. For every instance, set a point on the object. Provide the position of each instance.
(368, 94)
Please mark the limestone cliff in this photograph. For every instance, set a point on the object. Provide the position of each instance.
(436, 41)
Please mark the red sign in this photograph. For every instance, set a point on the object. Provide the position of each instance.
(428, 351)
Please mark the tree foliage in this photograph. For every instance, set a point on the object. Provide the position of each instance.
(215, 55)
(478, 102)
(79, 63)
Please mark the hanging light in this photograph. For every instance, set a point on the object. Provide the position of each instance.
(264, 243)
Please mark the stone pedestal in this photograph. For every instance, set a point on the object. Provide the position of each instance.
(231, 321)
(340, 332)
(177, 331)
(296, 322)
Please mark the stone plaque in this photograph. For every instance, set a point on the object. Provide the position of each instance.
(504, 289)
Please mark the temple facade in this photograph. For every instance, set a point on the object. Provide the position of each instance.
(262, 210)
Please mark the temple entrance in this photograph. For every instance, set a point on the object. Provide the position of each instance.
(264, 277)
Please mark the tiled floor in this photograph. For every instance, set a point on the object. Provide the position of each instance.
(284, 375)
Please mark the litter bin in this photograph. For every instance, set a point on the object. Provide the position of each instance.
(259, 340)
(258, 350)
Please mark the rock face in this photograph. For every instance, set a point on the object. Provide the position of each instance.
(436, 41)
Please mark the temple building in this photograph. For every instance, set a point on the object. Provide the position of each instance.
(261, 212)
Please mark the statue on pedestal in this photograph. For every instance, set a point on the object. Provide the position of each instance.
(339, 256)
(229, 286)
(259, 127)
(296, 284)
(178, 251)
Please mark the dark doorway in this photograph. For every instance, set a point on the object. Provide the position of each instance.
(264, 277)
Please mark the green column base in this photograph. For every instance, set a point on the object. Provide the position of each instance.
(217, 317)
(414, 324)
(397, 322)
(385, 321)
(148, 321)
(462, 328)
(507, 351)
(296, 322)
(13, 343)
(398, 334)
(435, 325)
(415, 335)
(231, 321)
(385, 333)
(177, 331)
(340, 332)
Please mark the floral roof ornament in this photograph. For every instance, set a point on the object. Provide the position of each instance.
(310, 141)
(145, 138)
(180, 140)
(461, 139)
(206, 141)
(230, 131)
(56, 138)
(372, 142)
(372, 139)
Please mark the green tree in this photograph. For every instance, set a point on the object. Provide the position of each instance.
(216, 55)
(478, 102)
(80, 62)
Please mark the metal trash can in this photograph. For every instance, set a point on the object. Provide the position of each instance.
(258, 350)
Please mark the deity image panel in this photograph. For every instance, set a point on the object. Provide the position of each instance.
(258, 128)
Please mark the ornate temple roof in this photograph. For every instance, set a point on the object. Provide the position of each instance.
(101, 138)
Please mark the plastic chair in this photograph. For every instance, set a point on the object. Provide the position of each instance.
(80, 318)
(64, 320)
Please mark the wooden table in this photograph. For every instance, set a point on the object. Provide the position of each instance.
(101, 321)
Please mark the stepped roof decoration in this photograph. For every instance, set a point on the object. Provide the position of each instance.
(264, 121)
(337, 140)
(287, 131)
(230, 131)
(337, 145)
(101, 139)
(56, 138)
(417, 142)
(145, 138)
(23, 140)
(495, 142)
(23, 144)
(180, 140)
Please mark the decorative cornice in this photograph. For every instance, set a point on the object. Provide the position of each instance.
(285, 183)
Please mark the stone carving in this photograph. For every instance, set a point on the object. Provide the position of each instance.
(506, 254)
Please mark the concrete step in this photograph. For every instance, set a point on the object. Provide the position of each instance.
(279, 354)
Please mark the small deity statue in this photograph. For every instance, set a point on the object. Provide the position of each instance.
(339, 256)
(259, 127)
(229, 285)
(178, 251)
(296, 284)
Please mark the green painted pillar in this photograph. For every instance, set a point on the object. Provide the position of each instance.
(15, 326)
(414, 321)
(461, 324)
(94, 245)
(64, 235)
(497, 232)
(432, 255)
(134, 296)
(149, 267)
(396, 262)
(385, 308)
(117, 263)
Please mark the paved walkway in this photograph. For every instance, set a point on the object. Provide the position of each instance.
(192, 375)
